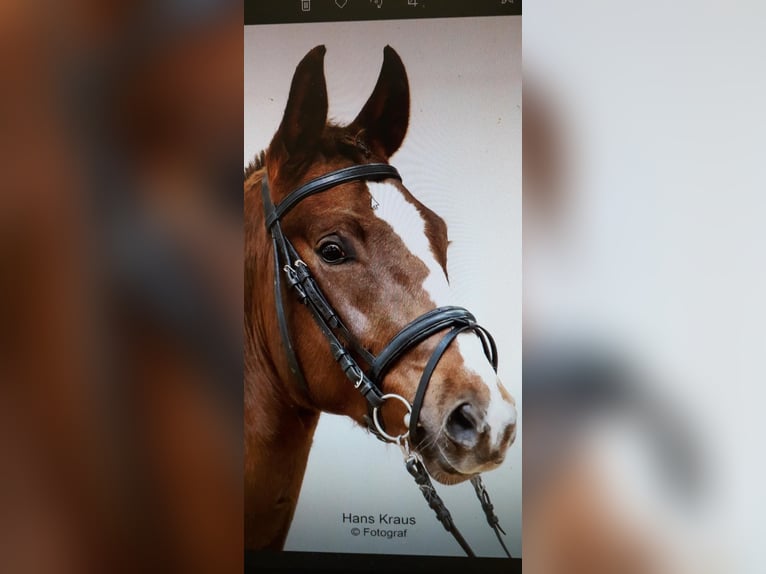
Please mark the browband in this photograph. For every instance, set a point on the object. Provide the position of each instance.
(368, 171)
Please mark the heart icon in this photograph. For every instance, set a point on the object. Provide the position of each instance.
(341, 3)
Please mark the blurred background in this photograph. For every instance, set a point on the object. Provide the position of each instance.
(121, 284)
(644, 277)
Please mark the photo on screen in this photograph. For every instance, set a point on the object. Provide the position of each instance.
(432, 248)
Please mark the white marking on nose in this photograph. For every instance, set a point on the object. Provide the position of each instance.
(500, 413)
(409, 225)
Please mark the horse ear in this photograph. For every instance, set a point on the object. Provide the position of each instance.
(306, 112)
(384, 118)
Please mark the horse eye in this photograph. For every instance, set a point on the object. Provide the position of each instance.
(331, 252)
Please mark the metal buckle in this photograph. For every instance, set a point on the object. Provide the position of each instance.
(292, 276)
(295, 280)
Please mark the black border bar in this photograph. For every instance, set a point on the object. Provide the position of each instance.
(341, 563)
(292, 12)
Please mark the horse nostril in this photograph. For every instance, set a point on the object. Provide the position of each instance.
(462, 425)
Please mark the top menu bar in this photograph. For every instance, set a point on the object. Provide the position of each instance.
(296, 11)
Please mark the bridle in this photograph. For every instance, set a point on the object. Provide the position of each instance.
(348, 351)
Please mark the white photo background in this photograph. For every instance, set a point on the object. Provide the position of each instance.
(461, 158)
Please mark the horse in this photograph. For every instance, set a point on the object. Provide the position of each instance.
(368, 262)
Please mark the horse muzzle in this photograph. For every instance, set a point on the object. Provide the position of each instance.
(471, 439)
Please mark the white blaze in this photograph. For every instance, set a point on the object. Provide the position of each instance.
(407, 222)
(409, 225)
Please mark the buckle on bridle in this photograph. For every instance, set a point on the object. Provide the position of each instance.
(295, 279)
(360, 381)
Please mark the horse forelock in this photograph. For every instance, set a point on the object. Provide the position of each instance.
(338, 145)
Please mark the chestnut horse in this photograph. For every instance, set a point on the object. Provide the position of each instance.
(380, 258)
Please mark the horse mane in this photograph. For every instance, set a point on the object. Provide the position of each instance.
(253, 265)
(257, 163)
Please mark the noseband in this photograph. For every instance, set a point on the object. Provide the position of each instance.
(346, 348)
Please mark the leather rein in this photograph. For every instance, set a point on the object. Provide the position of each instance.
(348, 351)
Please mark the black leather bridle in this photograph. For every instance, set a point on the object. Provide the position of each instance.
(346, 348)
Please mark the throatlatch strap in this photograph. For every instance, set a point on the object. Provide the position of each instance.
(292, 357)
(277, 241)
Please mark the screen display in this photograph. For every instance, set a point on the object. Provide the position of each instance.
(434, 90)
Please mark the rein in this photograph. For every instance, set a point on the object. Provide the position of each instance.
(347, 350)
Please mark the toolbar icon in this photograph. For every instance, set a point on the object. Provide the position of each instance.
(412, 2)
(306, 5)
(378, 3)
(341, 3)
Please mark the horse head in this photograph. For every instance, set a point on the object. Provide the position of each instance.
(380, 258)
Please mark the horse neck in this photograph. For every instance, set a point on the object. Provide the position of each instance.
(270, 390)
